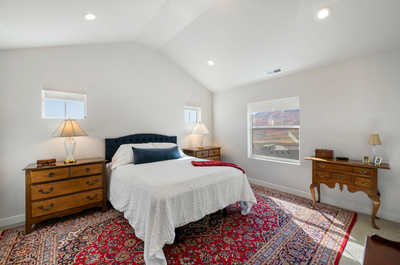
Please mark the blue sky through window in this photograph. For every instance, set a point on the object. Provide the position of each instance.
(63, 109)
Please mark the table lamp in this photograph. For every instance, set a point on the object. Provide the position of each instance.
(200, 129)
(374, 140)
(69, 129)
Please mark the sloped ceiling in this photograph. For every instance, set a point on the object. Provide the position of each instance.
(245, 38)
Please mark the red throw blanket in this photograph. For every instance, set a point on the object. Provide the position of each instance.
(212, 163)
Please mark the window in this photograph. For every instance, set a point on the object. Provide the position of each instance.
(63, 105)
(274, 130)
(192, 115)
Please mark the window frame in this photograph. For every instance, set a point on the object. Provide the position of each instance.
(250, 127)
(62, 96)
(195, 108)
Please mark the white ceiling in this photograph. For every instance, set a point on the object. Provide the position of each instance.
(245, 38)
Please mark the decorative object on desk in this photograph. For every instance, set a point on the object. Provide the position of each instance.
(377, 161)
(342, 158)
(365, 159)
(374, 140)
(69, 129)
(200, 129)
(46, 162)
(324, 153)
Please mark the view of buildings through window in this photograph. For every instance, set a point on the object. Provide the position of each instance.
(275, 132)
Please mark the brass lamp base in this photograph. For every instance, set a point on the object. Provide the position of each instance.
(69, 161)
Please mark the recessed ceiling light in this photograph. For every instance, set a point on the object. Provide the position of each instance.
(323, 13)
(90, 16)
(211, 63)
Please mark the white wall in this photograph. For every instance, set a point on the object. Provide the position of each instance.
(341, 105)
(130, 89)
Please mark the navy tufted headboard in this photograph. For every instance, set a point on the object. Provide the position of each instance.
(112, 144)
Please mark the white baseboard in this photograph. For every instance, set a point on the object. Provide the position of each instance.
(280, 187)
(12, 220)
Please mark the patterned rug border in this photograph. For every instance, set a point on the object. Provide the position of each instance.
(346, 238)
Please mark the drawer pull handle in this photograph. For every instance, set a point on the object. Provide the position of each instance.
(51, 174)
(41, 207)
(340, 177)
(46, 192)
(364, 183)
(91, 198)
(322, 166)
(87, 169)
(91, 183)
(363, 171)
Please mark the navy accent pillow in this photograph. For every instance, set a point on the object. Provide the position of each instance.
(141, 156)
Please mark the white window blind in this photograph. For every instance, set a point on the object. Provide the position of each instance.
(274, 130)
(63, 105)
(192, 115)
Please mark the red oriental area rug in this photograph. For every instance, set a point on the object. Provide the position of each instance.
(281, 229)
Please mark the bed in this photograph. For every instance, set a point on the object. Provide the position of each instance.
(158, 197)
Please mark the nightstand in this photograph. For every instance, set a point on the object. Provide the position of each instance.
(208, 152)
(63, 189)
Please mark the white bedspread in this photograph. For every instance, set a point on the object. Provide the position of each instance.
(158, 197)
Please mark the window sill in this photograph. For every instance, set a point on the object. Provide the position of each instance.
(276, 160)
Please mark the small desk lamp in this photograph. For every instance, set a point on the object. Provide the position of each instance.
(374, 140)
(69, 129)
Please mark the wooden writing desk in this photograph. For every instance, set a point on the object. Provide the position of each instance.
(355, 175)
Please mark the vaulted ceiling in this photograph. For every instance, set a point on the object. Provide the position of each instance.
(245, 39)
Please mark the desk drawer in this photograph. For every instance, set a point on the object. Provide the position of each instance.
(49, 174)
(363, 171)
(48, 190)
(363, 182)
(342, 178)
(86, 170)
(334, 167)
(323, 175)
(67, 202)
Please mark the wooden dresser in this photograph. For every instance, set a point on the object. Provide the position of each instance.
(63, 189)
(355, 175)
(208, 152)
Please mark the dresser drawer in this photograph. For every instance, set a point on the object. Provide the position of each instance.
(86, 170)
(214, 158)
(66, 202)
(363, 171)
(213, 152)
(202, 154)
(49, 174)
(342, 178)
(362, 182)
(48, 190)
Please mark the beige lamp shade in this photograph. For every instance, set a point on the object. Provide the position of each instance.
(374, 139)
(200, 129)
(69, 128)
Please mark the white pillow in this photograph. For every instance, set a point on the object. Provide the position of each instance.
(124, 154)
